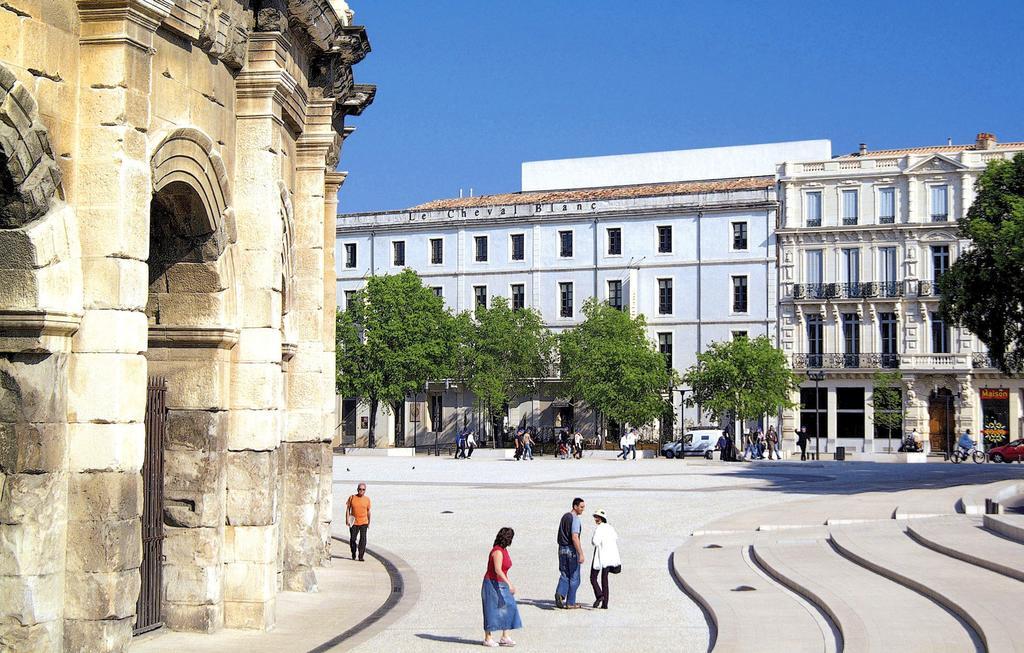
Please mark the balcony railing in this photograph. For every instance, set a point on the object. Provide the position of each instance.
(813, 222)
(982, 360)
(887, 219)
(942, 217)
(937, 361)
(927, 288)
(845, 361)
(852, 290)
(848, 221)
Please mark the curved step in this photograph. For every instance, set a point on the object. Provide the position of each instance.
(980, 597)
(861, 602)
(750, 613)
(1011, 526)
(1008, 493)
(965, 539)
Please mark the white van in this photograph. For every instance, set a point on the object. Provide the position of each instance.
(699, 441)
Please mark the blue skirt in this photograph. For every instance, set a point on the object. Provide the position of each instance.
(500, 609)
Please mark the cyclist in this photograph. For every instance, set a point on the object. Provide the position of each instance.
(966, 442)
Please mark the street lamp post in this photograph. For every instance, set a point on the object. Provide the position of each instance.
(817, 377)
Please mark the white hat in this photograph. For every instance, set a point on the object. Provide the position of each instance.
(602, 514)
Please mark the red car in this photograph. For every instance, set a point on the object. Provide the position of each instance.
(1008, 452)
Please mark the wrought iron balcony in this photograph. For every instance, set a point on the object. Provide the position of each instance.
(845, 361)
(887, 219)
(928, 289)
(853, 290)
(849, 222)
(981, 359)
(813, 222)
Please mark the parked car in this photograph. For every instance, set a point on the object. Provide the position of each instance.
(698, 442)
(1007, 453)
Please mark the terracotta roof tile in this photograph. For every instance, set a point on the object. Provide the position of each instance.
(605, 193)
(930, 149)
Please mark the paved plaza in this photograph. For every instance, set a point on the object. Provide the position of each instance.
(439, 516)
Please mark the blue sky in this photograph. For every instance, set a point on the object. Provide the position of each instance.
(467, 90)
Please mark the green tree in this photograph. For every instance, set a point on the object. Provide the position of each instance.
(394, 336)
(887, 402)
(982, 290)
(741, 377)
(501, 354)
(609, 362)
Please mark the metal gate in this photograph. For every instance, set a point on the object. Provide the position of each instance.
(147, 611)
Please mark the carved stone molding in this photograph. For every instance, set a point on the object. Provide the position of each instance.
(192, 337)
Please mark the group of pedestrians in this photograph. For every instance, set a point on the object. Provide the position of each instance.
(759, 443)
(465, 443)
(628, 443)
(497, 593)
(524, 440)
(570, 445)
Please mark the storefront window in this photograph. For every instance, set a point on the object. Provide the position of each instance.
(850, 412)
(995, 416)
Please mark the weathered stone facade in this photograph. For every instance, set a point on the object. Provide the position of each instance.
(167, 197)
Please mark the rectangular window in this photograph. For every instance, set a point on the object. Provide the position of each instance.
(887, 332)
(436, 251)
(850, 208)
(665, 348)
(664, 296)
(614, 241)
(940, 261)
(480, 248)
(350, 255)
(565, 244)
(518, 247)
(850, 412)
(739, 235)
(940, 203)
(565, 299)
(480, 296)
(664, 239)
(814, 411)
(886, 205)
(940, 335)
(615, 293)
(436, 412)
(438, 290)
(851, 340)
(814, 209)
(887, 264)
(518, 296)
(815, 265)
(736, 335)
(815, 340)
(739, 294)
(851, 271)
(350, 296)
(398, 253)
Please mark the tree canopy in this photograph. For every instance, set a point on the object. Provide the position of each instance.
(394, 336)
(982, 291)
(609, 362)
(887, 401)
(743, 377)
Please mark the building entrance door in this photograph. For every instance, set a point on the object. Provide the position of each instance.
(400, 424)
(940, 420)
(348, 421)
(147, 610)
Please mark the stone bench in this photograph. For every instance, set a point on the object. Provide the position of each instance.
(1007, 493)
(1011, 526)
(965, 539)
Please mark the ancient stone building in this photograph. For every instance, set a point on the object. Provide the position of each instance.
(166, 168)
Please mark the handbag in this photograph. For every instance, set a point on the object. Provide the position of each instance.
(617, 569)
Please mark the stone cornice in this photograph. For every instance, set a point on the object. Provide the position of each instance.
(358, 98)
(130, 22)
(38, 323)
(184, 336)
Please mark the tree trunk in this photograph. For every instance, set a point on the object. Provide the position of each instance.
(374, 403)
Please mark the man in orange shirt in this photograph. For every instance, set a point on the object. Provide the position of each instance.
(357, 516)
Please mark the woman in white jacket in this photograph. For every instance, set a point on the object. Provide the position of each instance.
(605, 559)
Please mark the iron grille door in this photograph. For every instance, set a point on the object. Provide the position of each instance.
(147, 611)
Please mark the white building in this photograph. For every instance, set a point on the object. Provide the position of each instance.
(862, 239)
(694, 254)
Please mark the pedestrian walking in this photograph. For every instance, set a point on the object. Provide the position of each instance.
(577, 445)
(470, 444)
(801, 441)
(748, 447)
(519, 444)
(772, 441)
(623, 445)
(605, 559)
(357, 517)
(497, 593)
(724, 445)
(762, 443)
(570, 555)
(460, 444)
(527, 445)
(631, 442)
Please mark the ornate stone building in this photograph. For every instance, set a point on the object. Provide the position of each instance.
(863, 238)
(167, 202)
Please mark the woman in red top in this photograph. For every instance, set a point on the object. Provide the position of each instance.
(497, 593)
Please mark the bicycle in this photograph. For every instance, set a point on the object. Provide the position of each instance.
(959, 455)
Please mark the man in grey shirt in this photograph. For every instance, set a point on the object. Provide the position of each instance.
(570, 555)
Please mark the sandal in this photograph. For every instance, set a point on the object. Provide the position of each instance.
(506, 641)
(490, 642)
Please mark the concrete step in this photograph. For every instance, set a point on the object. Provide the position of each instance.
(927, 503)
(861, 602)
(965, 538)
(980, 597)
(750, 612)
(1007, 493)
(1011, 526)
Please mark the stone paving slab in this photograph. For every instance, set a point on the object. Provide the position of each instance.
(349, 591)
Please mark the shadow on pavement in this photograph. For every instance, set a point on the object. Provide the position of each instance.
(449, 639)
(538, 603)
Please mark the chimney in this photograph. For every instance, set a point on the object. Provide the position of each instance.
(985, 141)
(863, 149)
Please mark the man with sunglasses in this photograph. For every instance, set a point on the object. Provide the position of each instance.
(357, 516)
